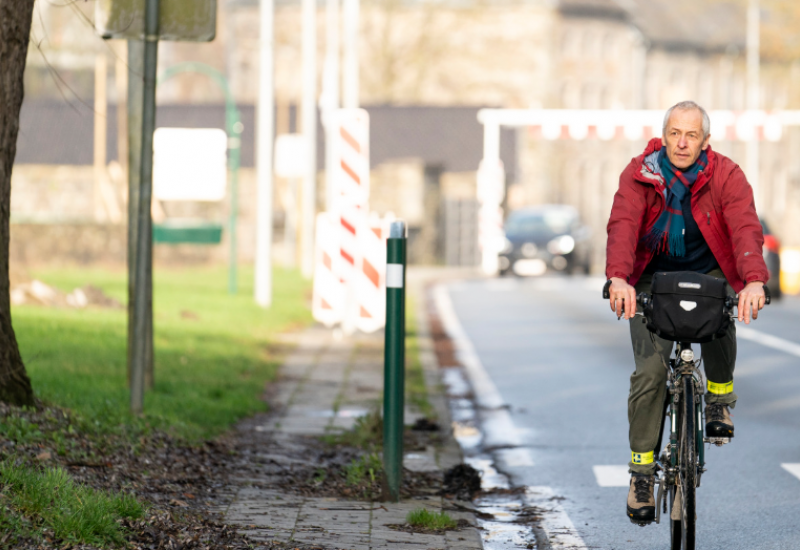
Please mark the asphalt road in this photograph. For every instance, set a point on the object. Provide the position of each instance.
(561, 361)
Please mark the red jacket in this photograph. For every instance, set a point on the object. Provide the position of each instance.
(722, 206)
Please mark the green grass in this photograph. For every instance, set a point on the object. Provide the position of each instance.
(211, 355)
(416, 390)
(364, 469)
(48, 503)
(422, 517)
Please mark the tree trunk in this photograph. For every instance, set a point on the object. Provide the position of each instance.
(15, 28)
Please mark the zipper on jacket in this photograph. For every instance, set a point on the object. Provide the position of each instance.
(709, 217)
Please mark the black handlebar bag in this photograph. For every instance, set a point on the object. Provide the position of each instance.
(688, 307)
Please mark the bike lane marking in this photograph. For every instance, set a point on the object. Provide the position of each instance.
(499, 429)
(612, 475)
(769, 340)
(793, 469)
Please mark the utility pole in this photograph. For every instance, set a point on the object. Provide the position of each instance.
(264, 152)
(351, 76)
(100, 131)
(142, 310)
(121, 79)
(753, 102)
(309, 106)
(330, 93)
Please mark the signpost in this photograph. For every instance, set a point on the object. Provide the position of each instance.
(178, 20)
(190, 164)
(147, 22)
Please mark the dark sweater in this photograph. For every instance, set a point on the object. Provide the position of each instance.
(698, 257)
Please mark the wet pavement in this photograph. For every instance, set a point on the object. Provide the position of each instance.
(557, 364)
(325, 385)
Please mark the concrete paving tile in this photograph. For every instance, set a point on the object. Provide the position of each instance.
(267, 534)
(465, 538)
(402, 536)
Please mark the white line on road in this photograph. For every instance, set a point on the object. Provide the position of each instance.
(486, 393)
(497, 426)
(768, 340)
(793, 469)
(612, 476)
(554, 520)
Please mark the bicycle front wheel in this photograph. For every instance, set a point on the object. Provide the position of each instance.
(687, 472)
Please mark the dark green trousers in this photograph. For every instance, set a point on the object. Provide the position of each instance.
(648, 382)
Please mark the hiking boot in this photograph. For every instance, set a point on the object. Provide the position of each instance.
(641, 504)
(718, 421)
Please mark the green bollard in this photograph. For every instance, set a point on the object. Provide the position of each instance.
(394, 372)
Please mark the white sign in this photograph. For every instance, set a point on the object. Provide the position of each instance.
(290, 155)
(189, 164)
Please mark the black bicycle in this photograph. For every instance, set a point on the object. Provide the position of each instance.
(681, 463)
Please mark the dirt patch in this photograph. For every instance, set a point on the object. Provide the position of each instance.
(183, 484)
(38, 293)
(442, 345)
(462, 481)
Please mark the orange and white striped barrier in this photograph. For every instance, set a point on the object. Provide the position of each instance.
(370, 278)
(327, 302)
(355, 262)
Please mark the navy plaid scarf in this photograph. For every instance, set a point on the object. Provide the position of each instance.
(667, 233)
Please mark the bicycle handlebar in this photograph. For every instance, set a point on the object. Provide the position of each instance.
(642, 297)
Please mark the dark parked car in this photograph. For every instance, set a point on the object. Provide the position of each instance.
(545, 237)
(772, 257)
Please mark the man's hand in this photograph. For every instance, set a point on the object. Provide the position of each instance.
(752, 297)
(623, 295)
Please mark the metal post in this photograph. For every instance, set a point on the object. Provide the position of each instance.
(308, 193)
(134, 114)
(234, 129)
(753, 66)
(330, 94)
(265, 135)
(350, 73)
(394, 358)
(144, 240)
(100, 130)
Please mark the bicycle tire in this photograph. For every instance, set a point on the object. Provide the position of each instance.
(674, 525)
(687, 473)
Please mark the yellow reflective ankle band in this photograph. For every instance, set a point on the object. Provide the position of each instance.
(642, 458)
(720, 389)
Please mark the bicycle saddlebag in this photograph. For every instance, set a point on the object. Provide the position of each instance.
(687, 307)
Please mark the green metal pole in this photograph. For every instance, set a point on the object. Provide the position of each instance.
(234, 146)
(394, 358)
(144, 268)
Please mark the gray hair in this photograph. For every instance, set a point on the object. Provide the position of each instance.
(689, 106)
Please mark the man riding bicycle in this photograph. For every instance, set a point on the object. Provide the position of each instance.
(680, 207)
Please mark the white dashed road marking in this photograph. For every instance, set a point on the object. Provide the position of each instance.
(793, 469)
(768, 340)
(612, 476)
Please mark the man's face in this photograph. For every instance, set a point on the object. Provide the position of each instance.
(683, 137)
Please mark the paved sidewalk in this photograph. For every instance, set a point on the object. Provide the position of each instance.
(325, 385)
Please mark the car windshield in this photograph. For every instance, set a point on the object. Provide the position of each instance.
(553, 222)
